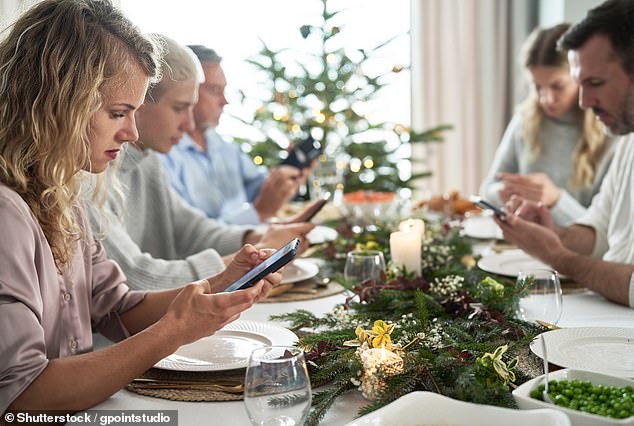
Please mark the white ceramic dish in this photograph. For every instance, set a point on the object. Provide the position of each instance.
(321, 234)
(608, 350)
(427, 408)
(299, 270)
(509, 263)
(229, 348)
(577, 418)
(482, 226)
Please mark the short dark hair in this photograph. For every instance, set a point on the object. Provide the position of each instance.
(205, 54)
(613, 19)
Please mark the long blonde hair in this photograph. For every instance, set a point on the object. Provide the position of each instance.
(55, 64)
(540, 49)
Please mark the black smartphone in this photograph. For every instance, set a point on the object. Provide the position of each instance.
(303, 153)
(478, 201)
(315, 208)
(274, 262)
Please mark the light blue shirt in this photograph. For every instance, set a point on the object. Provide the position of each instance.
(223, 181)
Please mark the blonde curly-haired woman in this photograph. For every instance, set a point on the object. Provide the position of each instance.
(72, 75)
(552, 152)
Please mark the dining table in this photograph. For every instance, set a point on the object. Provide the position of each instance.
(580, 309)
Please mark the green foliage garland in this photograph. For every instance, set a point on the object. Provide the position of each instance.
(455, 326)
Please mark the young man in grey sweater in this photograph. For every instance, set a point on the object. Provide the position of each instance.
(156, 237)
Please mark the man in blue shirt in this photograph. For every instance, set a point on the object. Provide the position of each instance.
(215, 175)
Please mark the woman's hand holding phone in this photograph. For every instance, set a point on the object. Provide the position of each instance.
(483, 204)
(247, 258)
(198, 309)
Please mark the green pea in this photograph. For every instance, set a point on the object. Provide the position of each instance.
(609, 401)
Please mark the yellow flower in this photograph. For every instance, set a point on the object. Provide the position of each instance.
(381, 327)
(468, 261)
(381, 331)
(362, 335)
(382, 341)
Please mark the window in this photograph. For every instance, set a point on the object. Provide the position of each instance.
(234, 29)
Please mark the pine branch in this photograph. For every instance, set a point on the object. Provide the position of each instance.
(322, 401)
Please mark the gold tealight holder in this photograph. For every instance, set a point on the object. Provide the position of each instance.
(378, 365)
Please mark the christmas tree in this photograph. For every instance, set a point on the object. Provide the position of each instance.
(324, 94)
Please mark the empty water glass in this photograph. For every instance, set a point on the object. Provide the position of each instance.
(327, 177)
(544, 299)
(363, 265)
(276, 387)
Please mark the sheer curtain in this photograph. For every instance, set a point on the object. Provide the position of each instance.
(463, 73)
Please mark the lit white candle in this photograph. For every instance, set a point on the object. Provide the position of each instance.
(413, 225)
(405, 248)
(382, 358)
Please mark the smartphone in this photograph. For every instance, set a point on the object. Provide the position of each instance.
(478, 201)
(315, 208)
(272, 263)
(303, 153)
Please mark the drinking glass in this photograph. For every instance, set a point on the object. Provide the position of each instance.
(544, 299)
(364, 265)
(276, 387)
(327, 177)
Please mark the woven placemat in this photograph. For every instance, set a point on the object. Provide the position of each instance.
(192, 394)
(571, 287)
(305, 290)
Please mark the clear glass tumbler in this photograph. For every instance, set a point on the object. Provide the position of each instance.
(364, 265)
(544, 300)
(277, 388)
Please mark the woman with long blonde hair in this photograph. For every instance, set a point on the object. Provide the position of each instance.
(72, 75)
(552, 152)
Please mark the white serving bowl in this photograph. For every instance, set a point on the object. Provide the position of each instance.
(577, 418)
(428, 408)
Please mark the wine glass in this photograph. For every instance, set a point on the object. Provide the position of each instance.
(277, 388)
(363, 265)
(544, 298)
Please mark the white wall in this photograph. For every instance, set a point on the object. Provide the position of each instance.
(554, 11)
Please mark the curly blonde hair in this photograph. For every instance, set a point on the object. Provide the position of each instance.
(540, 49)
(55, 65)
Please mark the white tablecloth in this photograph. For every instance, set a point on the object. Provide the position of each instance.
(581, 309)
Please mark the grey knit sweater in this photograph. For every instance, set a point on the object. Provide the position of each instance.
(157, 238)
(556, 159)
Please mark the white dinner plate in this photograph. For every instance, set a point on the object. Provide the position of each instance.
(321, 234)
(510, 263)
(482, 227)
(229, 348)
(427, 408)
(607, 350)
(299, 270)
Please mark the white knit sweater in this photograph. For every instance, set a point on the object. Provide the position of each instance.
(157, 238)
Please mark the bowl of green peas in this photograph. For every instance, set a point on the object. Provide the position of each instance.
(588, 398)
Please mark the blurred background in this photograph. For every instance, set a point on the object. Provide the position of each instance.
(372, 76)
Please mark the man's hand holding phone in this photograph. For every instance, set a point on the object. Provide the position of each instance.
(278, 188)
(304, 153)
